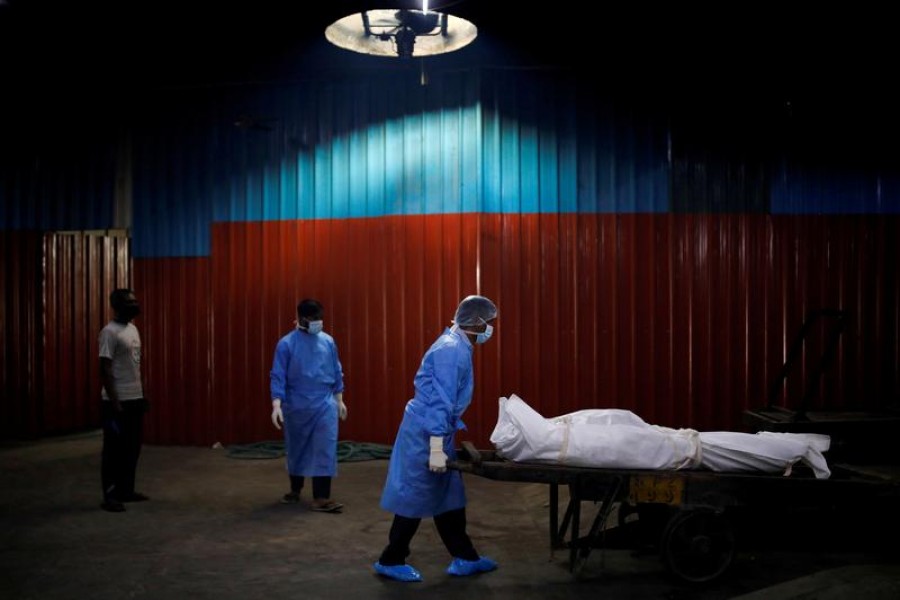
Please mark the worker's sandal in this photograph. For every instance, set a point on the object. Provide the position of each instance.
(399, 572)
(461, 567)
(329, 506)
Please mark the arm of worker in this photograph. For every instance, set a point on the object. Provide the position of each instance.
(339, 386)
(437, 458)
(106, 380)
(445, 377)
(277, 415)
(342, 408)
(276, 381)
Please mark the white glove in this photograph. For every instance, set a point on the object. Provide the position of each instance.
(437, 460)
(277, 416)
(342, 408)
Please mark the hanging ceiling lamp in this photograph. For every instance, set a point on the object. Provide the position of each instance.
(403, 33)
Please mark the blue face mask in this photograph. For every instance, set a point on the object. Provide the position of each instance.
(481, 336)
(314, 327)
(485, 335)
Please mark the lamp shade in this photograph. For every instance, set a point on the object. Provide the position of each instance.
(401, 33)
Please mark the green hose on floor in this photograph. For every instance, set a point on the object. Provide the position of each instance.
(346, 451)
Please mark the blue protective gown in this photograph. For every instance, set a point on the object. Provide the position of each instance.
(443, 392)
(306, 374)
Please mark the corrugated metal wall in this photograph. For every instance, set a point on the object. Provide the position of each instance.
(177, 329)
(622, 280)
(55, 301)
(21, 384)
(685, 319)
(80, 272)
(636, 262)
(64, 185)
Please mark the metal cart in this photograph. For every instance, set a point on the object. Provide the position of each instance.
(684, 513)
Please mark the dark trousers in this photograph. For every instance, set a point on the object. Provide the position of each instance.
(451, 527)
(122, 438)
(321, 486)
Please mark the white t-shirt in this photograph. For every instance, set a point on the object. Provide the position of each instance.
(122, 344)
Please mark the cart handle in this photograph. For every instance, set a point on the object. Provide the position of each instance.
(812, 382)
(472, 451)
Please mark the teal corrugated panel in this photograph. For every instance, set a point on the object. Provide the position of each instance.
(437, 150)
(341, 160)
(375, 179)
(394, 157)
(490, 160)
(445, 190)
(471, 144)
(368, 182)
(548, 156)
(412, 201)
(341, 202)
(359, 148)
(322, 199)
(529, 153)
(306, 163)
(510, 189)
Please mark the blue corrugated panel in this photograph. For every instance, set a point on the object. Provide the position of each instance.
(888, 200)
(63, 187)
(552, 147)
(385, 145)
(173, 191)
(799, 190)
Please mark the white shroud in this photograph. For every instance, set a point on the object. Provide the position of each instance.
(619, 439)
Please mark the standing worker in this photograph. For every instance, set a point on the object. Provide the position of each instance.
(418, 483)
(124, 403)
(307, 387)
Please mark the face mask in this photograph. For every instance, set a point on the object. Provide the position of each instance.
(485, 335)
(131, 311)
(314, 327)
(481, 336)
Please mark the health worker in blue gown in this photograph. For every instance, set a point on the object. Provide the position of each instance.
(307, 388)
(418, 483)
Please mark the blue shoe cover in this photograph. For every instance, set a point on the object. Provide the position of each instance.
(461, 568)
(398, 572)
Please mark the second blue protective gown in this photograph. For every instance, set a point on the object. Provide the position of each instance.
(443, 385)
(306, 374)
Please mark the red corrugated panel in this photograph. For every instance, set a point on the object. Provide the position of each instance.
(683, 318)
(20, 370)
(81, 270)
(177, 328)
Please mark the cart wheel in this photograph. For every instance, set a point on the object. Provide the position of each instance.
(698, 545)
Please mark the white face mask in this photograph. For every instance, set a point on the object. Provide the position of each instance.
(313, 327)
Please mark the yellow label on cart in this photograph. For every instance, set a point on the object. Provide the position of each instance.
(655, 489)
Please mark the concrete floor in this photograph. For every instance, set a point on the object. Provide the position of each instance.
(214, 529)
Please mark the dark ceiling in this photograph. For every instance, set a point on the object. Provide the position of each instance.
(94, 48)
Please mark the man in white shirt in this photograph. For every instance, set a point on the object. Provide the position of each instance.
(124, 403)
